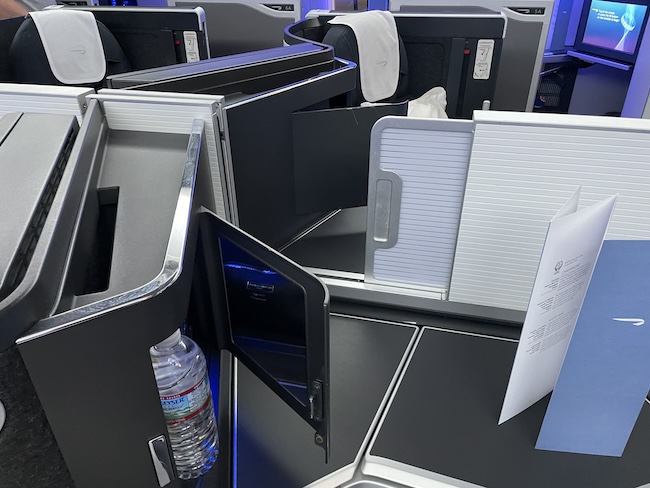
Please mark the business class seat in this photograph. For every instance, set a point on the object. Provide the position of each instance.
(431, 104)
(456, 48)
(29, 63)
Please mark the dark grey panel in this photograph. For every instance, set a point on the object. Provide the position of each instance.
(259, 130)
(26, 168)
(273, 446)
(8, 29)
(101, 400)
(334, 175)
(236, 27)
(517, 65)
(29, 455)
(146, 169)
(152, 37)
(39, 196)
(517, 62)
(444, 419)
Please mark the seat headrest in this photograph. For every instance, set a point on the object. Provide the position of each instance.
(343, 39)
(72, 45)
(369, 39)
(51, 47)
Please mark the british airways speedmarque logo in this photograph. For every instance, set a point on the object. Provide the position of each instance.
(636, 322)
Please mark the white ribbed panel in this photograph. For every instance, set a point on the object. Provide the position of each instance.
(523, 168)
(149, 113)
(59, 100)
(432, 165)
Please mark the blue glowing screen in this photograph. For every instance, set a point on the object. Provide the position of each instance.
(613, 25)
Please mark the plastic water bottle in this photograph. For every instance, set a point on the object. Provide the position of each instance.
(184, 388)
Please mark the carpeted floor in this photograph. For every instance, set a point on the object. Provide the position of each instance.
(29, 455)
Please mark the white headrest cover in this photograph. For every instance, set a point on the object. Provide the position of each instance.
(378, 43)
(72, 45)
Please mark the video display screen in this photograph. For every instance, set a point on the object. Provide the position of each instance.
(613, 25)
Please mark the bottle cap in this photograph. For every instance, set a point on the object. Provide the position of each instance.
(171, 341)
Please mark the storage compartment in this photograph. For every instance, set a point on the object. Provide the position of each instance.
(131, 275)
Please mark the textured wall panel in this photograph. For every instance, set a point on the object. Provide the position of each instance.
(522, 170)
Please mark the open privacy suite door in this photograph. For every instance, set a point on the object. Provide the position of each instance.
(146, 162)
(272, 315)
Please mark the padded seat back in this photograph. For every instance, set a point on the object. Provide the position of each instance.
(29, 64)
(344, 42)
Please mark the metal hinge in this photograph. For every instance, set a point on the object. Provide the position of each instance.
(316, 401)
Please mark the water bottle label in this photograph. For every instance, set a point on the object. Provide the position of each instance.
(186, 405)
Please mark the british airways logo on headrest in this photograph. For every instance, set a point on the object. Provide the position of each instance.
(636, 322)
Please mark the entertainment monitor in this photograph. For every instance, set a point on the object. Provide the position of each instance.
(612, 29)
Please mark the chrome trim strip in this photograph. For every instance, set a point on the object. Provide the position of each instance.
(388, 396)
(362, 289)
(3, 415)
(161, 460)
(337, 274)
(310, 229)
(235, 416)
(393, 394)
